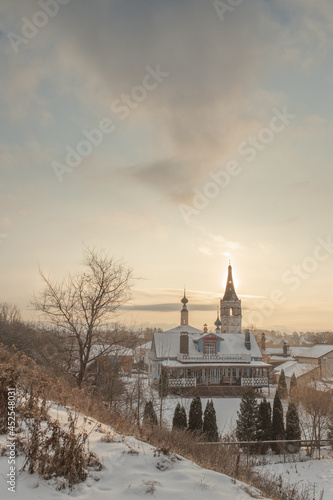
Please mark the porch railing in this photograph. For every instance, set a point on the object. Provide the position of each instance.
(254, 382)
(182, 382)
(213, 358)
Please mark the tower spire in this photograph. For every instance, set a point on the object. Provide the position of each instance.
(230, 293)
(231, 308)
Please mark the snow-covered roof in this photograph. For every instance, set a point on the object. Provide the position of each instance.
(316, 351)
(290, 367)
(184, 328)
(281, 358)
(110, 350)
(296, 351)
(274, 350)
(167, 344)
(120, 350)
(146, 346)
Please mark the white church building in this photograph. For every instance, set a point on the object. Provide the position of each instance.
(215, 363)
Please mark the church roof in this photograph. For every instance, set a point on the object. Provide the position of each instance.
(167, 346)
(230, 293)
(184, 328)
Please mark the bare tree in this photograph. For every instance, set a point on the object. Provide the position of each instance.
(315, 402)
(9, 313)
(82, 305)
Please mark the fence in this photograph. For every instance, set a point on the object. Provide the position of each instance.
(286, 445)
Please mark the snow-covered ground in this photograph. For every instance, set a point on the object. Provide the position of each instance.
(132, 471)
(226, 410)
(310, 473)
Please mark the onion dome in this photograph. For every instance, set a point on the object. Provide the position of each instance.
(184, 300)
(218, 322)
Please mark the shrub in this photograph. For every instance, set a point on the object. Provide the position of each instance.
(195, 415)
(264, 430)
(179, 420)
(293, 430)
(282, 386)
(53, 452)
(209, 424)
(278, 431)
(247, 422)
(149, 415)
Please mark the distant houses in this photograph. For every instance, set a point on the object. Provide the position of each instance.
(306, 362)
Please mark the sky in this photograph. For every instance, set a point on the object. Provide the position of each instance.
(176, 135)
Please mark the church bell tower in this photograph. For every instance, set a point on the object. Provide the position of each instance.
(230, 308)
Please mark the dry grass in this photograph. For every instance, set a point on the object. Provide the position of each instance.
(37, 386)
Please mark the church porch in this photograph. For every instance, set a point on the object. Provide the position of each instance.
(227, 376)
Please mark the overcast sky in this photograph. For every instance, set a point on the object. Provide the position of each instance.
(206, 132)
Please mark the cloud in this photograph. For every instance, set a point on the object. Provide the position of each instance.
(202, 110)
(210, 102)
(168, 307)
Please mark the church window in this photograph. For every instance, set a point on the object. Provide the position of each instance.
(210, 348)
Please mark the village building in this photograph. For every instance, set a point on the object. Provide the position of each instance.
(319, 355)
(141, 353)
(305, 362)
(222, 362)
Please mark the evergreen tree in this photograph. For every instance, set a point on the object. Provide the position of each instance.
(149, 415)
(293, 392)
(282, 387)
(293, 430)
(195, 415)
(247, 422)
(179, 418)
(278, 431)
(163, 383)
(264, 430)
(209, 423)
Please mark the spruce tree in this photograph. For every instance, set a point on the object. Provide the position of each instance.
(179, 420)
(293, 429)
(264, 430)
(278, 431)
(149, 415)
(195, 415)
(282, 387)
(293, 392)
(163, 383)
(247, 422)
(209, 423)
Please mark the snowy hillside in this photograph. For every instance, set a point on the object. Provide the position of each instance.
(132, 470)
